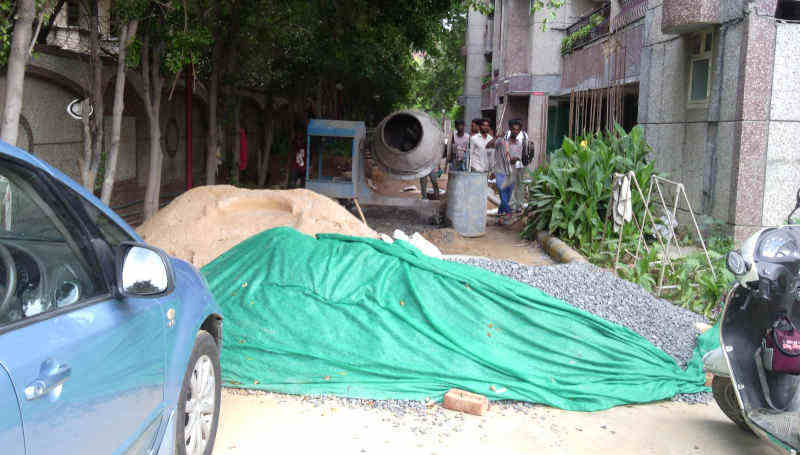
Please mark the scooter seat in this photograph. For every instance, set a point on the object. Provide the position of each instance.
(783, 425)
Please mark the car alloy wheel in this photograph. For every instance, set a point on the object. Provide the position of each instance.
(200, 405)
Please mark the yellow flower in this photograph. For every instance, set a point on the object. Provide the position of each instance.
(584, 143)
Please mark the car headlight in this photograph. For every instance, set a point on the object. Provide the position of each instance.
(778, 244)
(736, 263)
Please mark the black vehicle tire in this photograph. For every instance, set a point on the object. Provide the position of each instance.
(725, 396)
(204, 354)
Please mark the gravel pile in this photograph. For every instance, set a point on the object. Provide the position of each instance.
(668, 327)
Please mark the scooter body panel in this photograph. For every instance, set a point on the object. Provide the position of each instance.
(714, 363)
(740, 337)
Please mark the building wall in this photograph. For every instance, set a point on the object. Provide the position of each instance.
(782, 178)
(52, 82)
(515, 40)
(693, 144)
(57, 138)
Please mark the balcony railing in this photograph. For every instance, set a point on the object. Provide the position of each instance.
(585, 30)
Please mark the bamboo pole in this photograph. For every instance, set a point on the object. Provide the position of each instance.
(359, 211)
(571, 113)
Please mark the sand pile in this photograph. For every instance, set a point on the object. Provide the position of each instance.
(206, 221)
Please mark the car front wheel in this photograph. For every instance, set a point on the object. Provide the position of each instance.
(198, 406)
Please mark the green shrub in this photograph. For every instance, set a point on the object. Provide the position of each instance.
(569, 198)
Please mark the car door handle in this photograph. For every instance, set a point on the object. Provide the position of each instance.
(51, 376)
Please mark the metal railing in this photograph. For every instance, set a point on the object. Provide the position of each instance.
(597, 32)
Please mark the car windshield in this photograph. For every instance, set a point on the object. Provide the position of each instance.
(22, 217)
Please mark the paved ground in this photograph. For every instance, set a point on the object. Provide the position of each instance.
(261, 423)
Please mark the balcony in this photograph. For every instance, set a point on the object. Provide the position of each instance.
(686, 16)
(587, 29)
(630, 12)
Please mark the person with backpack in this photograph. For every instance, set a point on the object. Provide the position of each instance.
(508, 155)
(517, 198)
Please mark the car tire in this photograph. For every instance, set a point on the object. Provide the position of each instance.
(725, 396)
(196, 420)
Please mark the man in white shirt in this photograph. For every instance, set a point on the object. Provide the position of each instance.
(478, 143)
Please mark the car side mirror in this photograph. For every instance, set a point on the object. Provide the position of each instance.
(142, 271)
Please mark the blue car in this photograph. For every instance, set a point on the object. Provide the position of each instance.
(107, 345)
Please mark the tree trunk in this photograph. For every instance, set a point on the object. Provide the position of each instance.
(153, 86)
(127, 32)
(15, 76)
(237, 142)
(213, 101)
(93, 126)
(97, 101)
(269, 136)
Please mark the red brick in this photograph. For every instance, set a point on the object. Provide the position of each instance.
(461, 400)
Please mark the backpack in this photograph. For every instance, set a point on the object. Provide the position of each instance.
(528, 149)
(779, 353)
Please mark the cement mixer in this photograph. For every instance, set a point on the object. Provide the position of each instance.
(407, 145)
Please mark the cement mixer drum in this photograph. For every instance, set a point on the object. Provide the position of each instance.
(408, 144)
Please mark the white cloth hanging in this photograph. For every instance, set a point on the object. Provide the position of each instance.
(621, 201)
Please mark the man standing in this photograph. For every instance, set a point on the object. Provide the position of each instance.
(434, 178)
(478, 144)
(508, 158)
(297, 155)
(517, 199)
(457, 155)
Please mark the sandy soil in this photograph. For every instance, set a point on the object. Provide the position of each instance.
(289, 424)
(206, 221)
(499, 242)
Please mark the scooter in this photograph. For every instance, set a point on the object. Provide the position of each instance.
(756, 380)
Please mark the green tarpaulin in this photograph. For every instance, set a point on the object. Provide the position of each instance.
(358, 317)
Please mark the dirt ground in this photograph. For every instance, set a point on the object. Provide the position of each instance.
(499, 242)
(287, 424)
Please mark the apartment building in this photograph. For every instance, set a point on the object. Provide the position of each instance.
(713, 83)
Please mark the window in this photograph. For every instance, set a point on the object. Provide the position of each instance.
(44, 260)
(73, 13)
(111, 232)
(701, 46)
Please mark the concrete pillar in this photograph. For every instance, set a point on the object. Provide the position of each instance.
(476, 64)
(537, 126)
(752, 118)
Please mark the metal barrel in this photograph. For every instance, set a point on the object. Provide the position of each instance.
(466, 202)
(408, 144)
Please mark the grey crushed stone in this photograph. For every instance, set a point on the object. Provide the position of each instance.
(590, 288)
